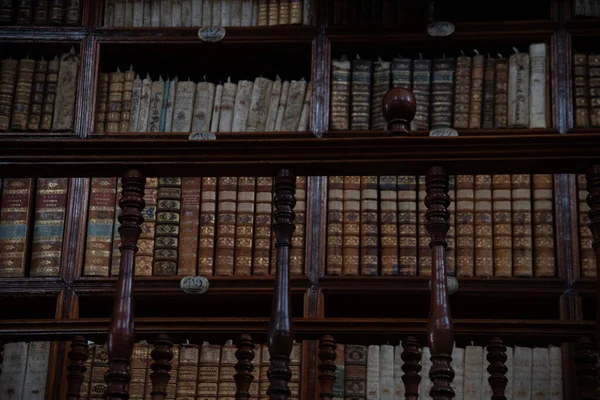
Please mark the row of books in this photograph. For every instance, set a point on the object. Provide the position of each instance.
(40, 12)
(586, 87)
(24, 371)
(375, 373)
(198, 372)
(587, 254)
(463, 92)
(38, 95)
(500, 225)
(368, 12)
(127, 103)
(197, 13)
(587, 8)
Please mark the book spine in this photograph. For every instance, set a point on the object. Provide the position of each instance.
(594, 82)
(157, 93)
(15, 215)
(361, 94)
(295, 101)
(501, 94)
(586, 251)
(462, 95)
(522, 373)
(168, 216)
(207, 226)
(144, 105)
(582, 91)
(37, 96)
(57, 12)
(14, 367)
(66, 92)
(262, 229)
(489, 92)
(386, 372)
(351, 225)
(203, 106)
(451, 235)
(296, 11)
(521, 219)
(51, 201)
(423, 249)
(38, 357)
(304, 124)
(197, 8)
(100, 221)
(139, 369)
(136, 98)
(407, 227)
(335, 212)
(442, 95)
(190, 217)
(226, 226)
(273, 12)
(119, 21)
(540, 374)
(473, 373)
(147, 16)
(208, 372)
(227, 107)
(518, 90)
(144, 258)
(340, 95)
(297, 250)
(99, 369)
(109, 13)
(24, 12)
(458, 365)
(465, 209)
(22, 98)
(241, 107)
(284, 12)
(115, 101)
(129, 77)
(236, 12)
(166, 11)
(263, 12)
(502, 225)
(543, 226)
(84, 391)
(273, 105)
(381, 84)
(138, 13)
(355, 371)
(476, 92)
(116, 240)
(556, 373)
(101, 102)
(421, 88)
(373, 383)
(402, 73)
(207, 13)
(8, 81)
(6, 11)
(244, 227)
(188, 371)
(369, 235)
(537, 86)
(484, 253)
(226, 386)
(388, 205)
(247, 12)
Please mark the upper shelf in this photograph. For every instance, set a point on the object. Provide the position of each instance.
(552, 153)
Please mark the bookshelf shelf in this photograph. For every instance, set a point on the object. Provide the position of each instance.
(31, 286)
(42, 33)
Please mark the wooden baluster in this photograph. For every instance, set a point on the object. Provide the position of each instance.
(411, 355)
(121, 331)
(440, 330)
(327, 356)
(593, 200)
(162, 354)
(280, 326)
(76, 368)
(585, 369)
(497, 369)
(243, 368)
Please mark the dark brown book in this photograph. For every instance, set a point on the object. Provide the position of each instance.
(225, 249)
(73, 12)
(50, 94)
(521, 225)
(351, 226)
(335, 211)
(6, 11)
(190, 218)
(208, 202)
(388, 205)
(543, 226)
(262, 226)
(40, 12)
(24, 12)
(361, 94)
(57, 12)
(465, 209)
(489, 90)
(37, 95)
(369, 235)
(402, 73)
(168, 215)
(22, 101)
(462, 92)
(244, 225)
(442, 92)
(476, 92)
(115, 101)
(8, 80)
(484, 253)
(501, 94)
(355, 372)
(144, 258)
(101, 102)
(582, 91)
(297, 250)
(407, 227)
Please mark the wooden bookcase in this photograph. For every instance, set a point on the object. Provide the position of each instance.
(352, 309)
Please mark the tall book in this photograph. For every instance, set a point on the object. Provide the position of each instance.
(442, 92)
(594, 82)
(273, 106)
(369, 237)
(502, 225)
(241, 107)
(304, 122)
(66, 91)
(262, 226)
(582, 90)
(157, 93)
(451, 235)
(388, 206)
(116, 240)
(297, 250)
(136, 99)
(128, 78)
(361, 93)
(225, 249)
(355, 371)
(402, 73)
(540, 373)
(49, 94)
(227, 388)
(484, 254)
(8, 81)
(407, 226)
(586, 251)
(115, 101)
(465, 209)
(37, 95)
(273, 12)
(462, 94)
(295, 102)
(556, 373)
(14, 369)
(40, 13)
(426, 384)
(335, 218)
(476, 91)
(421, 86)
(144, 258)
(543, 226)
(489, 93)
(340, 94)
(518, 90)
(139, 369)
(190, 218)
(168, 215)
(537, 85)
(22, 100)
(501, 94)
(227, 106)
(522, 373)
(351, 225)
(99, 369)
(187, 373)
(338, 383)
(386, 372)
(208, 371)
(423, 238)
(473, 373)
(101, 102)
(244, 225)
(259, 105)
(381, 84)
(458, 365)
(521, 219)
(373, 382)
(208, 200)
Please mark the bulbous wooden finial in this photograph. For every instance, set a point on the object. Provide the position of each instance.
(399, 109)
(76, 368)
(162, 354)
(327, 366)
(243, 369)
(585, 369)
(411, 355)
(496, 356)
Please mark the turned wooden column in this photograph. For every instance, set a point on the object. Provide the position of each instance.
(497, 369)
(327, 367)
(77, 357)
(281, 334)
(243, 368)
(411, 355)
(162, 354)
(585, 369)
(593, 200)
(120, 334)
(440, 330)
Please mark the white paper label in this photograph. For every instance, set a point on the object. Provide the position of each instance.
(443, 132)
(194, 284)
(440, 28)
(211, 33)
(202, 136)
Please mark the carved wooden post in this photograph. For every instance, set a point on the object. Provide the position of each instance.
(280, 326)
(593, 200)
(411, 355)
(76, 368)
(327, 356)
(497, 369)
(440, 331)
(120, 334)
(243, 368)
(161, 365)
(585, 369)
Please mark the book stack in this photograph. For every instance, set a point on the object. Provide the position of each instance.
(38, 95)
(40, 12)
(197, 13)
(366, 12)
(464, 93)
(586, 87)
(24, 371)
(500, 225)
(198, 372)
(127, 103)
(194, 226)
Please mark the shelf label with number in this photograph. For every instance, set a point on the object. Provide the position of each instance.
(202, 136)
(194, 284)
(440, 28)
(443, 132)
(211, 33)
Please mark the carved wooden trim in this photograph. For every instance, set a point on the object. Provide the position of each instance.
(327, 367)
(280, 326)
(440, 330)
(411, 355)
(243, 368)
(593, 201)
(162, 354)
(121, 331)
(497, 369)
(585, 369)
(76, 368)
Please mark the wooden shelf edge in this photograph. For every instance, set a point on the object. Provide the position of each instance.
(461, 133)
(583, 26)
(31, 286)
(42, 33)
(219, 135)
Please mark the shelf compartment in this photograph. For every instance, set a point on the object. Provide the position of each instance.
(38, 304)
(42, 33)
(465, 132)
(31, 286)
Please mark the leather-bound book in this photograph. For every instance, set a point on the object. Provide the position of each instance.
(144, 258)
(57, 12)
(451, 235)
(537, 85)
(351, 225)
(139, 369)
(421, 87)
(15, 217)
(373, 372)
(381, 84)
(100, 222)
(226, 388)
(262, 226)
(8, 81)
(187, 373)
(355, 372)
(297, 250)
(244, 226)
(263, 12)
(101, 102)
(284, 12)
(208, 371)
(273, 12)
(521, 225)
(484, 253)
(361, 93)
(208, 200)
(543, 226)
(295, 368)
(335, 237)
(50, 94)
(340, 94)
(476, 92)
(402, 73)
(594, 82)
(369, 235)
(6, 11)
(128, 78)
(462, 92)
(190, 221)
(22, 100)
(423, 249)
(115, 101)
(226, 226)
(586, 251)
(407, 227)
(99, 369)
(37, 95)
(66, 92)
(489, 91)
(442, 92)
(116, 240)
(501, 94)
(518, 90)
(582, 91)
(168, 216)
(388, 206)
(73, 12)
(24, 12)
(297, 11)
(465, 209)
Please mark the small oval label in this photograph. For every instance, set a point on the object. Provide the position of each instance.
(211, 33)
(440, 28)
(202, 136)
(443, 132)
(194, 284)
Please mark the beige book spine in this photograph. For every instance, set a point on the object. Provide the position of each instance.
(451, 235)
(142, 124)
(38, 358)
(203, 106)
(244, 228)
(259, 104)
(156, 13)
(115, 101)
(543, 226)
(295, 101)
(582, 91)
(136, 98)
(66, 92)
(157, 93)
(208, 371)
(521, 219)
(184, 106)
(236, 13)
(217, 6)
(465, 208)
(556, 373)
(373, 382)
(138, 13)
(594, 82)
(226, 12)
(216, 111)
(227, 106)
(273, 12)
(423, 249)
(262, 230)
(273, 105)
(586, 251)
(196, 8)
(284, 12)
(476, 92)
(207, 12)
(208, 199)
(187, 374)
(518, 91)
(462, 95)
(537, 86)
(297, 250)
(129, 77)
(388, 205)
(522, 373)
(351, 225)
(407, 228)
(484, 254)
(304, 123)
(540, 374)
(242, 106)
(285, 91)
(226, 386)
(226, 226)
(170, 105)
(501, 94)
(335, 210)
(502, 221)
